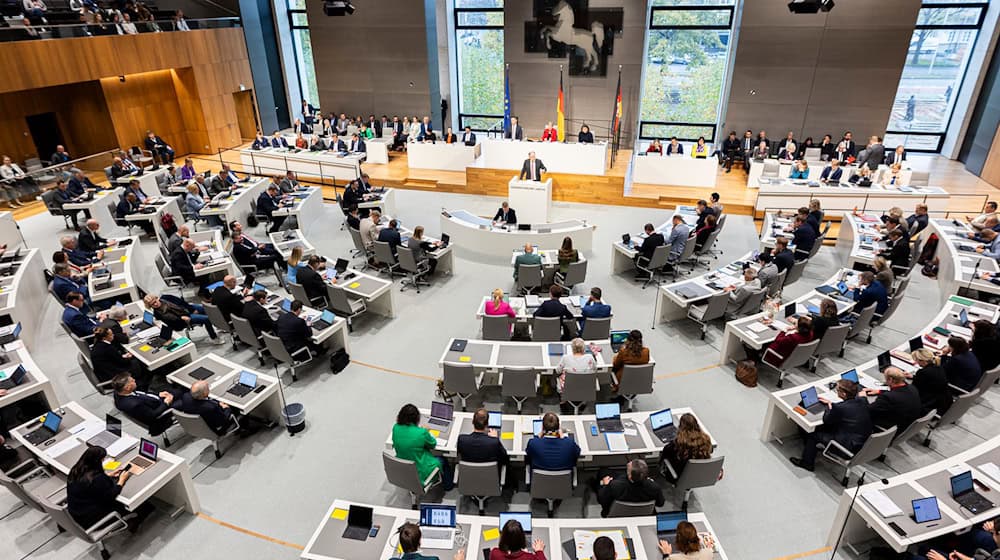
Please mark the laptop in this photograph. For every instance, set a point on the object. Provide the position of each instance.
(522, 517)
(112, 433)
(556, 349)
(884, 360)
(340, 266)
(442, 413)
(626, 240)
(148, 321)
(45, 432)
(925, 510)
(286, 305)
(963, 493)
(963, 318)
(842, 287)
(10, 334)
(618, 339)
(437, 526)
(325, 320)
(445, 240)
(165, 336)
(810, 401)
(495, 420)
(359, 523)
(609, 417)
(666, 525)
(663, 426)
(916, 343)
(247, 382)
(248, 281)
(16, 378)
(146, 459)
(851, 375)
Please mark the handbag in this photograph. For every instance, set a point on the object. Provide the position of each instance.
(746, 373)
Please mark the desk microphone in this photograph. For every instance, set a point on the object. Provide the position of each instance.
(975, 270)
(843, 527)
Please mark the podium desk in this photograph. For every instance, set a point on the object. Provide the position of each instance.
(678, 171)
(478, 234)
(531, 199)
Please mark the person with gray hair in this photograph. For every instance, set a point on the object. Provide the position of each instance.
(577, 361)
(112, 321)
(77, 256)
(63, 282)
(218, 416)
(739, 295)
(632, 486)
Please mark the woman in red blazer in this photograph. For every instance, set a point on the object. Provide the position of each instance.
(786, 341)
(513, 543)
(550, 134)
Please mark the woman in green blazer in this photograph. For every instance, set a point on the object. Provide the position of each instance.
(414, 443)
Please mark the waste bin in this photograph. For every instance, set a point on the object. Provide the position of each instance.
(295, 417)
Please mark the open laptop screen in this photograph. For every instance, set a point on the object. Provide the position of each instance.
(666, 522)
(851, 375)
(443, 410)
(961, 483)
(809, 397)
(436, 515)
(661, 419)
(522, 517)
(926, 509)
(607, 410)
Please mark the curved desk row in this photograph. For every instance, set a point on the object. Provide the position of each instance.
(23, 294)
(121, 262)
(843, 198)
(277, 161)
(859, 236)
(478, 234)
(673, 299)
(623, 258)
(960, 266)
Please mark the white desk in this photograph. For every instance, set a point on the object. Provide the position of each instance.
(785, 170)
(843, 198)
(10, 232)
(479, 235)
(163, 205)
(333, 337)
(23, 295)
(674, 299)
(534, 198)
(327, 542)
(35, 383)
(550, 261)
(859, 236)
(957, 266)
(168, 480)
(376, 149)
(225, 374)
(121, 261)
(326, 164)
(385, 201)
(623, 258)
(154, 358)
(558, 157)
(445, 255)
(677, 171)
(307, 207)
(212, 239)
(448, 157)
(237, 205)
(494, 355)
(148, 181)
(100, 208)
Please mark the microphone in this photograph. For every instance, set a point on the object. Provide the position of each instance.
(843, 527)
(975, 270)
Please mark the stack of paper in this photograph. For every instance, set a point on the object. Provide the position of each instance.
(616, 442)
(882, 504)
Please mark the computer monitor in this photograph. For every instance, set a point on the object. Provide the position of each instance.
(148, 449)
(248, 379)
(286, 305)
(961, 483)
(340, 265)
(668, 522)
(522, 517)
(148, 317)
(607, 410)
(916, 343)
(494, 420)
(809, 397)
(851, 375)
(442, 410)
(925, 509)
(437, 515)
(660, 419)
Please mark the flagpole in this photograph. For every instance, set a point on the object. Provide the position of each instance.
(561, 110)
(506, 100)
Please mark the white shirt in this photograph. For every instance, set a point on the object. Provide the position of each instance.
(182, 25)
(129, 28)
(11, 171)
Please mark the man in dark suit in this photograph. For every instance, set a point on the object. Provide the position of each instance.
(278, 141)
(218, 416)
(357, 144)
(61, 196)
(899, 406)
(293, 330)
(633, 486)
(183, 261)
(159, 148)
(850, 147)
(747, 145)
(831, 173)
(552, 307)
(426, 131)
(803, 237)
(248, 253)
(118, 168)
(483, 445)
(80, 184)
(398, 135)
(257, 315)
(551, 450)
(267, 203)
(76, 255)
(847, 422)
(91, 241)
(78, 322)
(874, 154)
(146, 408)
(783, 257)
(653, 240)
(870, 291)
(532, 168)
(311, 280)
(469, 137)
(731, 150)
(704, 211)
(63, 282)
(505, 214)
(514, 131)
(917, 221)
(391, 236)
(898, 253)
(227, 299)
(336, 144)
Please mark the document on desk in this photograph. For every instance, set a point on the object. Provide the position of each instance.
(62, 447)
(616, 442)
(882, 504)
(758, 327)
(991, 470)
(124, 443)
(584, 541)
(86, 430)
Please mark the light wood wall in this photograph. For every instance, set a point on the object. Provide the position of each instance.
(991, 169)
(177, 83)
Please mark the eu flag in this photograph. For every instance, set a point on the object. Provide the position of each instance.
(506, 99)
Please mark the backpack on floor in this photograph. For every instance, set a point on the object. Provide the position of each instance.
(930, 247)
(746, 373)
(339, 361)
(252, 221)
(168, 224)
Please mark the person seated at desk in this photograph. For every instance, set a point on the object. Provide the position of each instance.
(505, 215)
(917, 221)
(828, 317)
(92, 493)
(862, 178)
(295, 333)
(687, 543)
(514, 131)
(552, 307)
(336, 144)
(977, 223)
(553, 449)
(159, 148)
(450, 137)
(260, 142)
(195, 201)
(986, 344)
(899, 406)
(146, 408)
(655, 147)
(468, 137)
(788, 140)
(60, 155)
(674, 147)
(804, 237)
(316, 145)
(528, 257)
(229, 176)
(653, 240)
(691, 443)
(180, 315)
(815, 214)
(369, 229)
(702, 234)
(420, 248)
(550, 133)
(183, 263)
(848, 422)
(91, 241)
(788, 153)
(567, 255)
(63, 282)
(311, 279)
(991, 244)
(119, 169)
(217, 416)
(883, 272)
(255, 312)
(413, 442)
(390, 235)
(187, 171)
(800, 170)
(513, 544)
(739, 295)
(931, 382)
(366, 132)
(633, 352)
(800, 332)
(60, 197)
(594, 308)
(497, 306)
(731, 150)
(293, 264)
(483, 444)
(577, 361)
(110, 359)
(896, 156)
(761, 152)
(634, 486)
(870, 291)
(80, 184)
(704, 211)
(409, 543)
(532, 168)
(768, 271)
(73, 316)
(960, 365)
(700, 149)
(229, 299)
(267, 203)
(979, 543)
(805, 145)
(357, 144)
(353, 196)
(248, 253)
(585, 136)
(278, 141)
(897, 250)
(782, 255)
(77, 256)
(289, 183)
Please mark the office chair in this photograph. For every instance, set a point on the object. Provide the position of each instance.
(461, 379)
(697, 473)
(580, 389)
(109, 526)
(833, 342)
(637, 379)
(359, 247)
(546, 329)
(874, 447)
(575, 274)
(48, 198)
(281, 354)
(384, 256)
(654, 265)
(774, 288)
(220, 323)
(714, 308)
(480, 481)
(913, 429)
(416, 271)
(958, 408)
(519, 383)
(30, 483)
(496, 327)
(799, 356)
(403, 473)
(550, 485)
(596, 328)
(344, 305)
(529, 278)
(102, 387)
(753, 303)
(299, 293)
(685, 257)
(794, 273)
(863, 321)
(245, 334)
(195, 426)
(632, 509)
(988, 379)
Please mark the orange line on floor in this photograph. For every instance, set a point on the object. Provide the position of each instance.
(804, 554)
(248, 532)
(687, 372)
(396, 371)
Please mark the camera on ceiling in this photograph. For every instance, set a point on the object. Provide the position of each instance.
(338, 7)
(810, 6)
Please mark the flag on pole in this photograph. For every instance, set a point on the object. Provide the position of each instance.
(561, 111)
(616, 120)
(506, 98)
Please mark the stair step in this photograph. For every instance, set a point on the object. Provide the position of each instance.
(420, 183)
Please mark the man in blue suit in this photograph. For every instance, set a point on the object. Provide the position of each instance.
(847, 422)
(426, 130)
(357, 144)
(870, 291)
(594, 308)
(831, 173)
(63, 282)
(77, 256)
(551, 450)
(278, 141)
(73, 316)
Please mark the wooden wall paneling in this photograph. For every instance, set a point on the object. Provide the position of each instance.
(145, 101)
(192, 117)
(991, 169)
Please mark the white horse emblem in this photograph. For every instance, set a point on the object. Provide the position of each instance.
(590, 42)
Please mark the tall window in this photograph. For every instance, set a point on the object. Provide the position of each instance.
(480, 62)
(935, 66)
(302, 44)
(687, 46)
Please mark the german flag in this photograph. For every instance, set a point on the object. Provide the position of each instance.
(561, 110)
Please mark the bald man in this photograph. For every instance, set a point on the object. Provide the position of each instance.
(217, 415)
(529, 256)
(91, 241)
(229, 299)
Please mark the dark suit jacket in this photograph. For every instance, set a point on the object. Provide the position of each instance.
(899, 253)
(392, 237)
(181, 264)
(916, 224)
(850, 147)
(479, 447)
(215, 416)
(293, 330)
(312, 282)
(849, 422)
(517, 133)
(932, 384)
(804, 238)
(890, 157)
(963, 370)
(526, 169)
(338, 146)
(279, 142)
(831, 174)
(62, 286)
(145, 408)
(228, 303)
(784, 260)
(358, 146)
(510, 217)
(107, 360)
(650, 244)
(703, 215)
(90, 241)
(244, 254)
(81, 325)
(471, 140)
(259, 318)
(898, 407)
(552, 454)
(266, 204)
(352, 197)
(621, 488)
(873, 156)
(875, 292)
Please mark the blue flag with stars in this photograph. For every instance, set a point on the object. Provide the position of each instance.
(506, 99)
